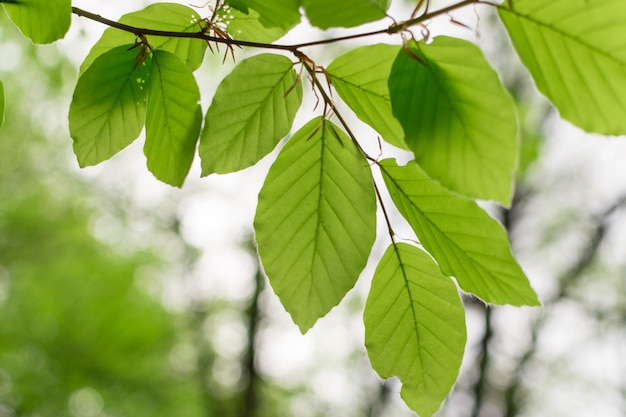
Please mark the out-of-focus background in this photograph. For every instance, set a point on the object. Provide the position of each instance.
(121, 296)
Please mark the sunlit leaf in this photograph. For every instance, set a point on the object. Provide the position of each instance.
(576, 53)
(252, 110)
(316, 221)
(248, 26)
(415, 327)
(360, 78)
(173, 118)
(283, 14)
(458, 119)
(43, 21)
(345, 13)
(1, 103)
(463, 239)
(159, 16)
(109, 105)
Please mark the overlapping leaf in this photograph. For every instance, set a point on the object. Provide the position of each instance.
(108, 109)
(284, 14)
(248, 26)
(458, 119)
(316, 221)
(576, 53)
(415, 327)
(159, 16)
(465, 241)
(345, 13)
(252, 110)
(43, 21)
(173, 118)
(360, 78)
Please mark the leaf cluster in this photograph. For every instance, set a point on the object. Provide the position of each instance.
(315, 225)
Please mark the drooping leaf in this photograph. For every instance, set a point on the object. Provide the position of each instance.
(247, 26)
(345, 13)
(316, 221)
(283, 14)
(576, 54)
(463, 239)
(1, 103)
(360, 78)
(159, 16)
(458, 119)
(173, 118)
(252, 110)
(415, 327)
(108, 109)
(43, 21)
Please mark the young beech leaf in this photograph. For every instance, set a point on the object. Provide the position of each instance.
(108, 109)
(247, 26)
(360, 78)
(463, 239)
(1, 103)
(43, 21)
(160, 16)
(345, 13)
(284, 14)
(576, 54)
(315, 222)
(415, 327)
(252, 110)
(173, 118)
(458, 119)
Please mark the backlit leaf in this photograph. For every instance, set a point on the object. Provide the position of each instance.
(252, 110)
(283, 14)
(458, 119)
(248, 26)
(463, 239)
(576, 54)
(316, 221)
(43, 21)
(173, 118)
(345, 13)
(159, 16)
(415, 327)
(360, 78)
(1, 103)
(109, 105)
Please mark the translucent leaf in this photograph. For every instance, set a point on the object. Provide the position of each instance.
(159, 16)
(458, 119)
(173, 118)
(415, 327)
(360, 78)
(108, 109)
(248, 26)
(252, 110)
(1, 103)
(283, 14)
(43, 21)
(316, 221)
(576, 53)
(463, 239)
(345, 13)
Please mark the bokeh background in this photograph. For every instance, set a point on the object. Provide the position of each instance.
(121, 296)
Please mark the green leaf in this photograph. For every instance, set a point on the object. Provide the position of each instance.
(463, 239)
(316, 221)
(360, 78)
(458, 119)
(108, 109)
(576, 53)
(173, 118)
(252, 110)
(43, 21)
(415, 327)
(248, 26)
(1, 104)
(345, 13)
(159, 16)
(284, 14)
